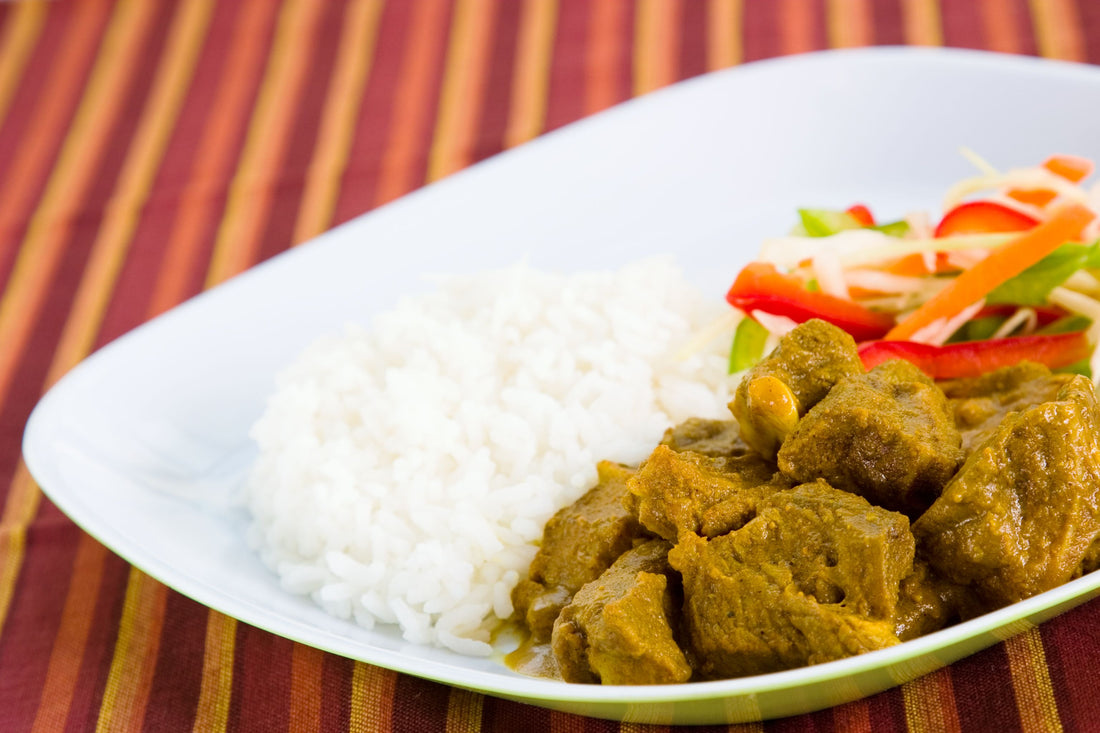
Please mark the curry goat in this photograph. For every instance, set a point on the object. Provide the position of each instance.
(840, 511)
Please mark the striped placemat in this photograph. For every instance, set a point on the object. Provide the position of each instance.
(150, 149)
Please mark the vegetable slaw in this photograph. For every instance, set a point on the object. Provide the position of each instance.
(1010, 271)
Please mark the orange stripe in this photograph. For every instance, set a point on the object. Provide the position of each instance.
(72, 637)
(135, 657)
(411, 105)
(212, 155)
(464, 711)
(923, 26)
(306, 667)
(43, 247)
(19, 509)
(28, 287)
(372, 693)
(216, 689)
(1058, 31)
(161, 110)
(1001, 33)
(605, 48)
(51, 112)
(657, 44)
(850, 23)
(1035, 699)
(131, 674)
(334, 138)
(930, 704)
(20, 36)
(85, 318)
(797, 20)
(238, 238)
(464, 84)
(531, 79)
(724, 31)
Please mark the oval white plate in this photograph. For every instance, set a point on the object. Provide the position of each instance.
(144, 442)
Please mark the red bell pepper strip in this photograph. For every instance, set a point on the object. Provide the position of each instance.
(760, 287)
(862, 214)
(983, 217)
(974, 358)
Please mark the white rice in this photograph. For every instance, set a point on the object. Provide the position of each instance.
(405, 472)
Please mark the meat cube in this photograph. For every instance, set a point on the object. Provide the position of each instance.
(887, 435)
(812, 578)
(1022, 512)
(715, 438)
(578, 544)
(794, 377)
(618, 629)
(732, 512)
(980, 403)
(672, 492)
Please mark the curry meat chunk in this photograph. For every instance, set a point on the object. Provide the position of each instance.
(674, 493)
(578, 543)
(715, 438)
(812, 578)
(734, 511)
(887, 435)
(794, 377)
(980, 403)
(618, 629)
(1022, 512)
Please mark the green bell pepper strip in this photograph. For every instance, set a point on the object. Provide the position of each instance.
(748, 345)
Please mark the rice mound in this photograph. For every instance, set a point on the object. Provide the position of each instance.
(405, 472)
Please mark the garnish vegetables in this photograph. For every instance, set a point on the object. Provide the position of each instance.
(1009, 271)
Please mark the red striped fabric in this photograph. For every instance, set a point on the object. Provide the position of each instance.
(148, 150)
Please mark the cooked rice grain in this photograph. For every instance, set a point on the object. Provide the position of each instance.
(405, 472)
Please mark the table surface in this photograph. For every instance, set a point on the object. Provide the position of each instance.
(149, 150)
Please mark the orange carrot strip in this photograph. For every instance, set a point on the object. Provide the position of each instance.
(1037, 197)
(1071, 167)
(914, 265)
(1007, 261)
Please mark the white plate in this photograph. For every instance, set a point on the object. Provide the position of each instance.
(142, 443)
